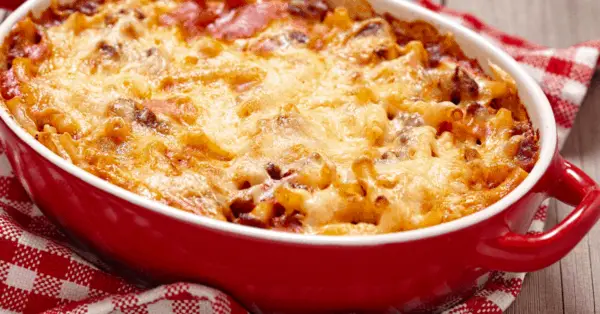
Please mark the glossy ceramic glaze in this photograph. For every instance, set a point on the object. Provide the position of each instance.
(271, 271)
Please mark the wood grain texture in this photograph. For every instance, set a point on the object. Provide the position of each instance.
(588, 137)
(573, 285)
(555, 23)
(544, 286)
(576, 273)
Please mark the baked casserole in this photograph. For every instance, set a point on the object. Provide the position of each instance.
(306, 116)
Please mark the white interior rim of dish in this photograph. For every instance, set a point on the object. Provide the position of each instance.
(540, 106)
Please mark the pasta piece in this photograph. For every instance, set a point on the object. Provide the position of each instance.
(503, 120)
(19, 112)
(315, 172)
(339, 18)
(434, 113)
(357, 9)
(370, 41)
(62, 122)
(117, 128)
(200, 140)
(291, 199)
(247, 174)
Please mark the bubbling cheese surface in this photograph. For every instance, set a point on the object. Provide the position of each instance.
(298, 116)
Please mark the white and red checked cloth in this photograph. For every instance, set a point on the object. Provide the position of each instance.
(40, 271)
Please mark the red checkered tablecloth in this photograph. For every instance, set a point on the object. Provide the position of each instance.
(41, 272)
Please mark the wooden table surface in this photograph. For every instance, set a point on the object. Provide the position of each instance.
(568, 286)
(572, 285)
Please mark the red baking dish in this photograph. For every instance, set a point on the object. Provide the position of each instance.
(275, 271)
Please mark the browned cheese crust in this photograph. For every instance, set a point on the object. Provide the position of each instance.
(306, 116)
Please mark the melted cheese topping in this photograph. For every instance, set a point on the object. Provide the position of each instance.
(330, 127)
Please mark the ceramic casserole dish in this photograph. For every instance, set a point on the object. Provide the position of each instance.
(276, 271)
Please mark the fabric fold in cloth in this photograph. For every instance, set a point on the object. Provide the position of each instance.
(41, 272)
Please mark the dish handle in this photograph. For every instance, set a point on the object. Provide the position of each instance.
(523, 253)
